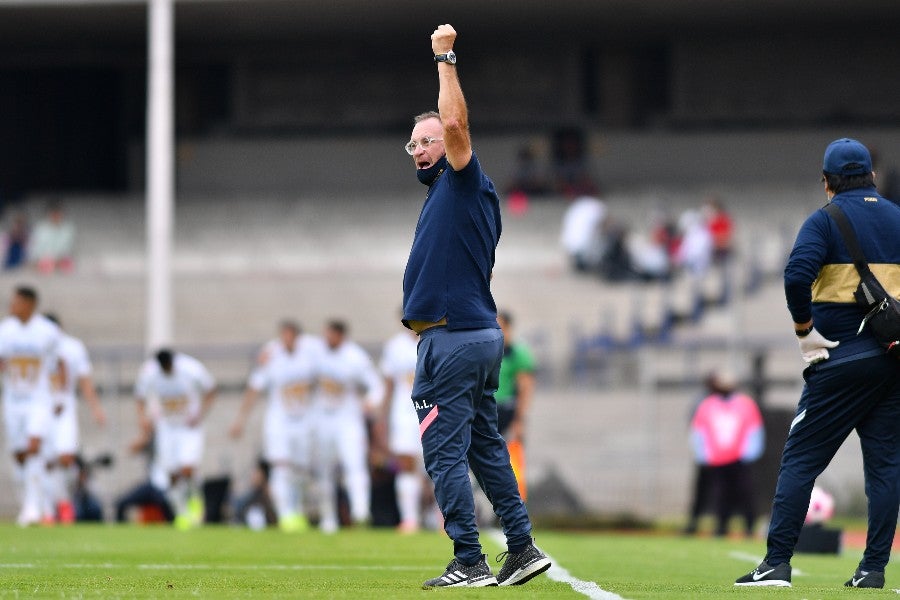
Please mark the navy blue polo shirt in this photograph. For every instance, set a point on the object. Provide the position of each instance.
(448, 273)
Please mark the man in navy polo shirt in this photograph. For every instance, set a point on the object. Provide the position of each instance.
(447, 301)
(851, 384)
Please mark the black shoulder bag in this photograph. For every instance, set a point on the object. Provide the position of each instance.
(881, 308)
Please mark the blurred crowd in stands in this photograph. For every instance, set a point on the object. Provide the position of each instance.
(48, 247)
(598, 243)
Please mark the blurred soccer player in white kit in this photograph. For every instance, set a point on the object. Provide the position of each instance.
(174, 393)
(61, 445)
(398, 364)
(287, 373)
(29, 343)
(341, 437)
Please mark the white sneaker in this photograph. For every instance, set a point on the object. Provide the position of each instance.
(460, 575)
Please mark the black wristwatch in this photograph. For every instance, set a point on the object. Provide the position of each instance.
(449, 58)
(803, 332)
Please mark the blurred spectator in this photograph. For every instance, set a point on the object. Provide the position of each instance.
(570, 170)
(727, 435)
(87, 506)
(148, 497)
(615, 260)
(581, 232)
(694, 257)
(54, 242)
(15, 242)
(664, 233)
(702, 497)
(649, 254)
(721, 228)
(695, 250)
(527, 178)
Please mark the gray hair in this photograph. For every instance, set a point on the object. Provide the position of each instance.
(431, 114)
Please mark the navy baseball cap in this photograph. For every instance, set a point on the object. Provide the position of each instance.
(847, 157)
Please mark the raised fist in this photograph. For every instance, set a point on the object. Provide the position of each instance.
(442, 39)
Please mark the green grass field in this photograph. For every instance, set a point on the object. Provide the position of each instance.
(222, 562)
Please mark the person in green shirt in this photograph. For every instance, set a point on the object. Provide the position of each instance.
(514, 395)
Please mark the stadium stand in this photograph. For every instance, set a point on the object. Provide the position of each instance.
(243, 262)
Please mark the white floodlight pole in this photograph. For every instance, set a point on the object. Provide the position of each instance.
(160, 172)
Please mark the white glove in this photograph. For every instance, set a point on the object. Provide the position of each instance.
(814, 347)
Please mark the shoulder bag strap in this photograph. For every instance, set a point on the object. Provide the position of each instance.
(850, 240)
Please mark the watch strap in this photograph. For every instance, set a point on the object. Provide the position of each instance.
(803, 332)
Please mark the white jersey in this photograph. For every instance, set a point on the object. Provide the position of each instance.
(343, 372)
(174, 398)
(398, 363)
(29, 352)
(288, 377)
(75, 357)
(275, 347)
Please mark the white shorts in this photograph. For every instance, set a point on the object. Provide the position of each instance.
(340, 438)
(62, 438)
(287, 439)
(178, 446)
(404, 431)
(25, 420)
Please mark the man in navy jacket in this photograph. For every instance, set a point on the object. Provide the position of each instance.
(851, 384)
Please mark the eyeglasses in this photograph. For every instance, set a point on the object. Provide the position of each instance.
(411, 146)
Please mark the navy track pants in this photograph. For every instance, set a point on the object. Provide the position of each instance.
(863, 395)
(457, 373)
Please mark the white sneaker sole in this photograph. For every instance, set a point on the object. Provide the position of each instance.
(765, 583)
(527, 573)
(486, 582)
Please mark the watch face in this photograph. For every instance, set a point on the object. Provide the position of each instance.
(451, 57)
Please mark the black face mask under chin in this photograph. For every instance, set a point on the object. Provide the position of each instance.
(430, 175)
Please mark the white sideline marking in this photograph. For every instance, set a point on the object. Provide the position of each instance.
(190, 567)
(558, 573)
(756, 560)
(588, 588)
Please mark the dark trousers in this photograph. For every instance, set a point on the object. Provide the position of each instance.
(701, 499)
(863, 395)
(732, 491)
(457, 373)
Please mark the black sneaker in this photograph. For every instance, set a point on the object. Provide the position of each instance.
(866, 579)
(779, 576)
(460, 575)
(521, 567)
